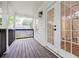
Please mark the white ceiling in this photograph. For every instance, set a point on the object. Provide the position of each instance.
(26, 8)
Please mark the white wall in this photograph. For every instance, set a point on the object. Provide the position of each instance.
(41, 34)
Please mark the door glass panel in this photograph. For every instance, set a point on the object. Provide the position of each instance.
(63, 33)
(66, 26)
(50, 17)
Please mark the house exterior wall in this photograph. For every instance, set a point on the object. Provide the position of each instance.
(41, 32)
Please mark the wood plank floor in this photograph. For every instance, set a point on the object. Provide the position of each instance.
(28, 48)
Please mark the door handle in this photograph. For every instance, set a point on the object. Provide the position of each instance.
(55, 29)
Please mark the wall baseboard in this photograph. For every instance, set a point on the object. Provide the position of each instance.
(54, 52)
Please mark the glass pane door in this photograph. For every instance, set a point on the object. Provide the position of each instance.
(50, 18)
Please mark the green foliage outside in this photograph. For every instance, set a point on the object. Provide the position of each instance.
(10, 20)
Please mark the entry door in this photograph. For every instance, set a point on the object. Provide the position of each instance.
(50, 24)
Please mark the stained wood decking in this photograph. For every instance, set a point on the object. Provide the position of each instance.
(28, 48)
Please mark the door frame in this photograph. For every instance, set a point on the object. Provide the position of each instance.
(57, 22)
